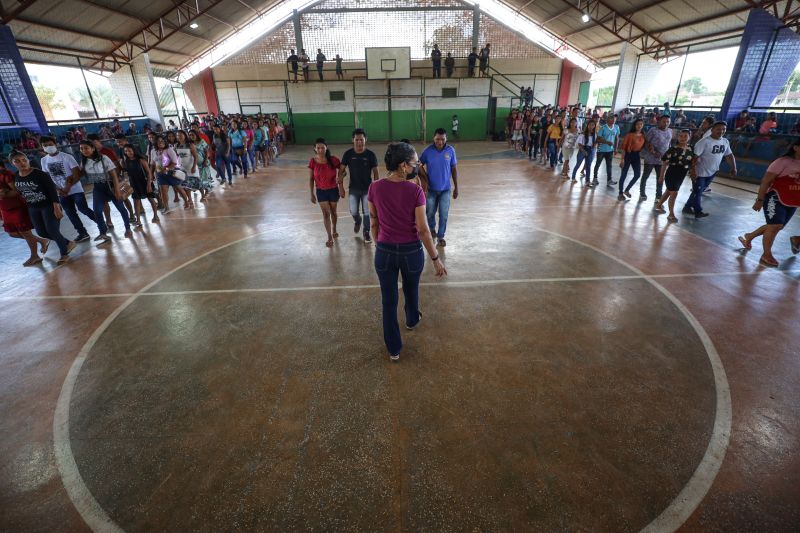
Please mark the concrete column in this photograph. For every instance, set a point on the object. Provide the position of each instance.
(476, 26)
(625, 78)
(298, 33)
(148, 94)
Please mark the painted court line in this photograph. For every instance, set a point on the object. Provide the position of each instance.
(435, 284)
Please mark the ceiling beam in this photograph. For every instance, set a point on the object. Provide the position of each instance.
(627, 14)
(621, 26)
(248, 6)
(148, 36)
(65, 29)
(11, 15)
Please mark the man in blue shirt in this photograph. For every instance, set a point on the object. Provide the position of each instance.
(607, 139)
(439, 160)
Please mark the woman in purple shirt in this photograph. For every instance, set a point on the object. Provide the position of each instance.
(399, 225)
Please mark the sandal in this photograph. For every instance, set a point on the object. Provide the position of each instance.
(795, 243)
(335, 235)
(32, 261)
(745, 244)
(44, 246)
(768, 262)
(329, 244)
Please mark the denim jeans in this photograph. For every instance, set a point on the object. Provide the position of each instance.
(251, 155)
(223, 164)
(608, 157)
(47, 226)
(408, 259)
(588, 158)
(74, 203)
(101, 195)
(437, 201)
(356, 199)
(239, 160)
(533, 148)
(648, 168)
(552, 152)
(695, 199)
(632, 160)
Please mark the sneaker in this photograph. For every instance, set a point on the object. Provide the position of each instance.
(394, 358)
(611, 183)
(627, 194)
(687, 210)
(707, 189)
(82, 237)
(642, 197)
(410, 328)
(102, 238)
(595, 182)
(701, 214)
(367, 237)
(357, 226)
(441, 243)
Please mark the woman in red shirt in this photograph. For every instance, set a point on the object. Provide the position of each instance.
(16, 220)
(324, 168)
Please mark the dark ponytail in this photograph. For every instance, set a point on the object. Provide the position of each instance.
(397, 154)
(327, 151)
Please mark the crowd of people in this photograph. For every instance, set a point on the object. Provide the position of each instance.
(48, 180)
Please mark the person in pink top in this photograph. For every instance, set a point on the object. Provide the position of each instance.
(324, 188)
(779, 197)
(399, 226)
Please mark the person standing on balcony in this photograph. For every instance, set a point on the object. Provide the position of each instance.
(320, 62)
(339, 72)
(484, 58)
(436, 58)
(292, 60)
(449, 64)
(472, 59)
(304, 63)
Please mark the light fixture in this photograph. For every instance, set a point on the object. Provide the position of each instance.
(194, 25)
(585, 17)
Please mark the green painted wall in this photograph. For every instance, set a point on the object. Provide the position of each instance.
(471, 122)
(501, 113)
(337, 128)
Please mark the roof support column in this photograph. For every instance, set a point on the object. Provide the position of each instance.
(298, 33)
(148, 94)
(625, 78)
(476, 25)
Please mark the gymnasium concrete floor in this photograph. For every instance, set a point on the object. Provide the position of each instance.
(585, 366)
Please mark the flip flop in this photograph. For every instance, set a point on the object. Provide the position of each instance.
(31, 262)
(767, 262)
(746, 245)
(329, 244)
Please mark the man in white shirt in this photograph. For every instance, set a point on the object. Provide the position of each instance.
(66, 175)
(708, 152)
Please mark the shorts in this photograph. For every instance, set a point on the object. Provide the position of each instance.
(261, 147)
(517, 136)
(165, 180)
(17, 221)
(328, 195)
(674, 180)
(775, 212)
(567, 152)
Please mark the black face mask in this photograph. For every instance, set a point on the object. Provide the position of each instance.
(413, 173)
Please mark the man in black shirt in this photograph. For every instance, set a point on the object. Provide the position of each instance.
(484, 58)
(436, 57)
(320, 62)
(363, 167)
(449, 64)
(292, 60)
(471, 60)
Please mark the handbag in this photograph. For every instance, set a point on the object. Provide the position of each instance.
(125, 190)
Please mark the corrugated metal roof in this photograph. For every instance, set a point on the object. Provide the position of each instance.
(96, 28)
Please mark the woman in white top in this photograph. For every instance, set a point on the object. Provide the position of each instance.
(102, 174)
(587, 142)
(168, 170)
(568, 141)
(187, 153)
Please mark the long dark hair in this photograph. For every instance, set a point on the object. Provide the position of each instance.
(790, 151)
(96, 157)
(586, 131)
(633, 126)
(320, 140)
(136, 154)
(189, 140)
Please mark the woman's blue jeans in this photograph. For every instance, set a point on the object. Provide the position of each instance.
(552, 151)
(632, 160)
(101, 195)
(588, 158)
(408, 260)
(223, 164)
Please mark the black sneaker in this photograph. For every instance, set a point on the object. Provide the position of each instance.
(701, 214)
(394, 358)
(409, 328)
(367, 237)
(687, 210)
(611, 183)
(642, 197)
(357, 226)
(82, 238)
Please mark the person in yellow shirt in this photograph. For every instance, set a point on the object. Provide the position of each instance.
(554, 132)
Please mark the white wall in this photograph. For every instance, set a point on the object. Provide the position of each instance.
(578, 75)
